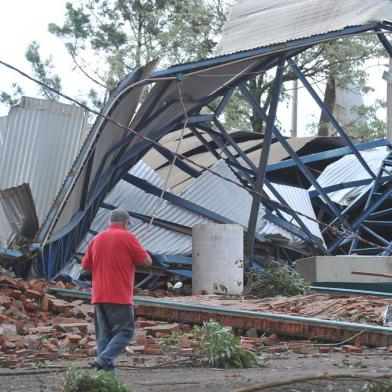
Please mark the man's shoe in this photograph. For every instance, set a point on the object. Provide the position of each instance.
(95, 365)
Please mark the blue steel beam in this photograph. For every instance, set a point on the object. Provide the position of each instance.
(344, 185)
(375, 235)
(294, 230)
(235, 145)
(223, 102)
(309, 176)
(179, 201)
(329, 115)
(320, 156)
(254, 212)
(278, 48)
(376, 185)
(365, 214)
(172, 226)
(183, 165)
(243, 174)
(385, 43)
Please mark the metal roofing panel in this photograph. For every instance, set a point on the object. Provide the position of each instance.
(3, 124)
(130, 198)
(298, 199)
(226, 199)
(19, 210)
(349, 169)
(103, 137)
(41, 141)
(254, 23)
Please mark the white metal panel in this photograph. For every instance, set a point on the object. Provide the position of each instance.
(221, 197)
(41, 142)
(255, 23)
(129, 198)
(349, 169)
(297, 199)
(3, 123)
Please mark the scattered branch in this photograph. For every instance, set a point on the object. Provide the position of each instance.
(323, 376)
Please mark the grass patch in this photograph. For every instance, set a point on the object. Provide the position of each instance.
(82, 380)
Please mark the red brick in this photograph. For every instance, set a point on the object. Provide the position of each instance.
(4, 279)
(153, 351)
(184, 342)
(276, 349)
(248, 346)
(45, 303)
(325, 349)
(33, 294)
(31, 306)
(74, 338)
(4, 299)
(145, 323)
(351, 349)
(47, 356)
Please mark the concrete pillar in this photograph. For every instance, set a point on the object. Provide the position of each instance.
(217, 258)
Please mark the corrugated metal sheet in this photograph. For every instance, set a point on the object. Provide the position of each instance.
(179, 179)
(18, 206)
(209, 192)
(102, 139)
(41, 142)
(349, 169)
(3, 123)
(254, 23)
(298, 199)
(223, 198)
(130, 198)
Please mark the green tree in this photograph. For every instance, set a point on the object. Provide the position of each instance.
(108, 38)
(124, 34)
(338, 63)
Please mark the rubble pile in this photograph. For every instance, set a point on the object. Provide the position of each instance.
(355, 309)
(36, 326)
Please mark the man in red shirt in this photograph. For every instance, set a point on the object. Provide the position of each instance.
(111, 257)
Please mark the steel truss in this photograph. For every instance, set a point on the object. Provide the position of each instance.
(59, 247)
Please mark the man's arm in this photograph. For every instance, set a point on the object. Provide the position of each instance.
(147, 260)
(139, 254)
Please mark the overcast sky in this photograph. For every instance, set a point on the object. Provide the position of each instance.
(22, 21)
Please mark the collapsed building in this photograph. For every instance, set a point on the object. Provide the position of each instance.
(160, 150)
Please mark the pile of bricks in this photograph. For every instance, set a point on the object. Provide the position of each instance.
(36, 326)
(355, 309)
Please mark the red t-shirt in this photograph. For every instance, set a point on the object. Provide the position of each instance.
(111, 256)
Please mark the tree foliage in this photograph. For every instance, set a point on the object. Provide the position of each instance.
(124, 34)
(43, 71)
(106, 39)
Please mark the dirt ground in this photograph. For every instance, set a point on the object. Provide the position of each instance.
(188, 379)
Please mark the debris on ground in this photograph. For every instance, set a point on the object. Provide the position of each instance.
(274, 280)
(76, 380)
(37, 326)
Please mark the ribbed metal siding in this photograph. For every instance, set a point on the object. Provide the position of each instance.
(349, 169)
(215, 194)
(41, 141)
(254, 23)
(3, 122)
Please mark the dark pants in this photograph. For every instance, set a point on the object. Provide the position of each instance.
(114, 329)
